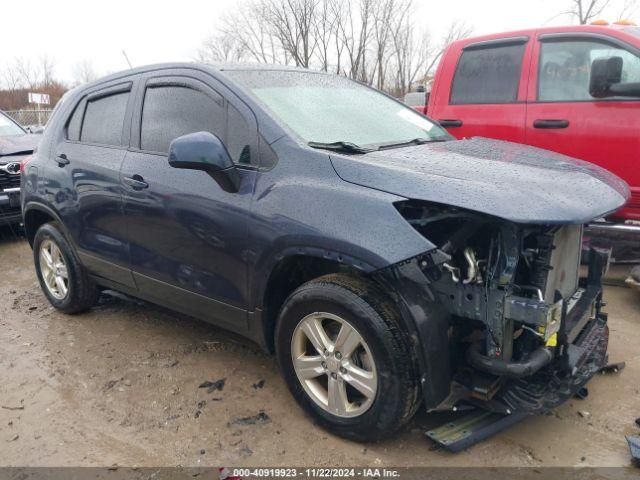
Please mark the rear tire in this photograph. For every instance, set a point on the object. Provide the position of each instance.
(339, 303)
(63, 279)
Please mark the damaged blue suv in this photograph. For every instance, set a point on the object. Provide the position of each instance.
(387, 265)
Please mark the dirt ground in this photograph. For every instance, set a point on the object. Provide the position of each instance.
(120, 385)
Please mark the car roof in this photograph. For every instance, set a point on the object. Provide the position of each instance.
(211, 67)
(601, 29)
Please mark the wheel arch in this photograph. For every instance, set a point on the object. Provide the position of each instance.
(289, 270)
(35, 215)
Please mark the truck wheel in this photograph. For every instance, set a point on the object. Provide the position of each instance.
(63, 279)
(345, 358)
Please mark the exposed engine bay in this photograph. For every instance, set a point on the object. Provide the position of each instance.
(509, 292)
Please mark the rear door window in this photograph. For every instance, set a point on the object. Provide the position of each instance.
(104, 119)
(488, 75)
(75, 123)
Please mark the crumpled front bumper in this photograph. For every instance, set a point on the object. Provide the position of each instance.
(580, 353)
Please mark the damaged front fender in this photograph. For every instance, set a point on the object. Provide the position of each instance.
(426, 321)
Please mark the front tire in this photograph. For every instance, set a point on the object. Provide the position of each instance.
(63, 279)
(345, 358)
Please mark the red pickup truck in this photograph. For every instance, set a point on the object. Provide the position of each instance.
(574, 90)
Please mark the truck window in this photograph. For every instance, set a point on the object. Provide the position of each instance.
(488, 75)
(565, 68)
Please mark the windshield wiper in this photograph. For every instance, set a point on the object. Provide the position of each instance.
(341, 146)
(415, 141)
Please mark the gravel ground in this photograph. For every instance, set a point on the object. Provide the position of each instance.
(120, 385)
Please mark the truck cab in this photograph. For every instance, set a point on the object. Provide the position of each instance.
(574, 90)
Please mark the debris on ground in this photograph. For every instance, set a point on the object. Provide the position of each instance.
(260, 419)
(172, 364)
(246, 452)
(613, 367)
(582, 393)
(584, 414)
(634, 448)
(14, 438)
(110, 384)
(19, 407)
(638, 421)
(213, 386)
(258, 385)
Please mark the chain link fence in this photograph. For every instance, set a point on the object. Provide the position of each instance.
(30, 118)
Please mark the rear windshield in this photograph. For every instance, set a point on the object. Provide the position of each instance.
(329, 108)
(8, 127)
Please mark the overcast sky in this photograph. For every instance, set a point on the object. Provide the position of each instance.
(158, 31)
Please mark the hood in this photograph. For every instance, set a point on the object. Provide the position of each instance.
(507, 180)
(17, 144)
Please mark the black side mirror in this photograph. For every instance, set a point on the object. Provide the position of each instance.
(605, 72)
(606, 78)
(204, 151)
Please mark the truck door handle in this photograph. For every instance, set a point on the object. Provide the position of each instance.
(62, 160)
(136, 182)
(450, 123)
(549, 124)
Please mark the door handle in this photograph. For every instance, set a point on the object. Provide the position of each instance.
(550, 124)
(62, 160)
(450, 123)
(136, 182)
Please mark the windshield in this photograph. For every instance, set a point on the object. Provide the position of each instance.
(325, 109)
(8, 128)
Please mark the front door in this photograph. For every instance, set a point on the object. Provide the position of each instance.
(188, 236)
(563, 117)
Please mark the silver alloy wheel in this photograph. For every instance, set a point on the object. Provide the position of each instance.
(334, 364)
(54, 269)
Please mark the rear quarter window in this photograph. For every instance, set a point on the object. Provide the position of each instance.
(488, 75)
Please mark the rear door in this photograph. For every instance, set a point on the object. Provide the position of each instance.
(563, 117)
(484, 92)
(189, 238)
(83, 182)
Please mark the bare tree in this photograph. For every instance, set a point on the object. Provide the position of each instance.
(373, 41)
(389, 18)
(586, 10)
(246, 28)
(83, 72)
(26, 73)
(628, 9)
(353, 32)
(324, 30)
(457, 30)
(292, 23)
(221, 47)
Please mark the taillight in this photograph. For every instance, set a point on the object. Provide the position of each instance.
(24, 162)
